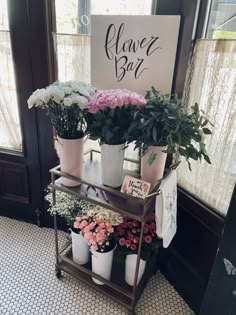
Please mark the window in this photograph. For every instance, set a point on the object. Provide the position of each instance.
(222, 20)
(211, 81)
(72, 40)
(10, 131)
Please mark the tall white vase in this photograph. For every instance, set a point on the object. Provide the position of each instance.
(70, 152)
(112, 157)
(152, 173)
(80, 249)
(130, 267)
(102, 264)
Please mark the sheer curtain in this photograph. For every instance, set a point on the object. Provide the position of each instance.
(10, 131)
(211, 82)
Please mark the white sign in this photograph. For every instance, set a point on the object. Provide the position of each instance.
(135, 187)
(166, 209)
(133, 52)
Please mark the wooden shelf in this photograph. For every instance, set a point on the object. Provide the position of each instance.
(116, 288)
(136, 208)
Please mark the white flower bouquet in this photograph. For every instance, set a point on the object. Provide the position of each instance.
(66, 104)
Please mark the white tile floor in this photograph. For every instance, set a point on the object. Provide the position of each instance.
(28, 285)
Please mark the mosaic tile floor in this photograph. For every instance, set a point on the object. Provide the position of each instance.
(28, 285)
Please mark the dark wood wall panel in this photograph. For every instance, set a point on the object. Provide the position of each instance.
(14, 182)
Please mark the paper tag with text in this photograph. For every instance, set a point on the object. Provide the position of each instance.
(135, 187)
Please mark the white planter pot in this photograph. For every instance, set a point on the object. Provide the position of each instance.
(130, 266)
(102, 264)
(152, 173)
(112, 157)
(80, 249)
(70, 152)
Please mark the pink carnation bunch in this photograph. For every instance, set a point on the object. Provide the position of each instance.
(128, 235)
(96, 233)
(102, 99)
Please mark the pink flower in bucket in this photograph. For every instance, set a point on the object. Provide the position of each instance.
(102, 99)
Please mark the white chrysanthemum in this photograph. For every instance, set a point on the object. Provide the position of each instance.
(56, 93)
(67, 101)
(67, 90)
(31, 101)
(45, 96)
(82, 102)
(84, 91)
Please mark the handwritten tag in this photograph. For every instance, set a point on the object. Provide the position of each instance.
(135, 187)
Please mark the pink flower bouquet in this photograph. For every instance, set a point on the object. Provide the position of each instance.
(98, 234)
(128, 237)
(109, 114)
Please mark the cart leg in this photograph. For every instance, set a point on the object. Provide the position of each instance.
(58, 272)
(131, 312)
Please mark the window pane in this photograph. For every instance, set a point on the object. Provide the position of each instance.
(222, 20)
(10, 131)
(73, 51)
(3, 16)
(72, 17)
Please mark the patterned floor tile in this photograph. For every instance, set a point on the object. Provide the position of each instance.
(28, 285)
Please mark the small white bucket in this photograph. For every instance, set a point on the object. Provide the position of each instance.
(102, 264)
(130, 267)
(80, 249)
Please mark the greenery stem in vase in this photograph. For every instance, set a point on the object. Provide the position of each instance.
(164, 121)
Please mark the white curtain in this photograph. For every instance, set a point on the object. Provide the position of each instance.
(73, 61)
(211, 82)
(10, 132)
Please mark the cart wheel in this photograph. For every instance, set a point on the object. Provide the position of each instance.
(58, 274)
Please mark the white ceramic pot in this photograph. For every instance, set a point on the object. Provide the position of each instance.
(112, 157)
(70, 152)
(130, 267)
(80, 249)
(102, 264)
(152, 173)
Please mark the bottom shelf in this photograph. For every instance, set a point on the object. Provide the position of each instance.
(117, 288)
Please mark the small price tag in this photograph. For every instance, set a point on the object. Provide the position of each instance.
(135, 187)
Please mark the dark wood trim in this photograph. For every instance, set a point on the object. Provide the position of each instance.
(207, 217)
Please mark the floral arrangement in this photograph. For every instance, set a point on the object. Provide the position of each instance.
(105, 215)
(98, 234)
(128, 237)
(109, 114)
(166, 122)
(66, 104)
(67, 206)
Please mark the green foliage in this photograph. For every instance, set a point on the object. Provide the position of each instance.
(110, 124)
(164, 121)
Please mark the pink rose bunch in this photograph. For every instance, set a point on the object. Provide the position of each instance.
(128, 235)
(102, 99)
(96, 233)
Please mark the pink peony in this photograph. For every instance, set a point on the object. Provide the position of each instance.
(136, 239)
(145, 229)
(134, 231)
(133, 247)
(76, 225)
(127, 243)
(94, 247)
(121, 232)
(130, 236)
(113, 98)
(122, 241)
(148, 239)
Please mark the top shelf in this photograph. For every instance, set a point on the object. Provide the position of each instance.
(136, 208)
